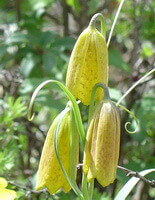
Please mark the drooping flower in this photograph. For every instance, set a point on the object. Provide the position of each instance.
(88, 65)
(6, 194)
(102, 144)
(49, 174)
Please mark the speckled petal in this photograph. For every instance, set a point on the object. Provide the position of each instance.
(88, 65)
(103, 151)
(49, 174)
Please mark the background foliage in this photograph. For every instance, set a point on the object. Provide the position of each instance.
(36, 40)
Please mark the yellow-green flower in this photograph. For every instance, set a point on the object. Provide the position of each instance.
(88, 65)
(49, 174)
(102, 144)
(6, 194)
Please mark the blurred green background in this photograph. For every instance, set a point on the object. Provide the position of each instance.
(36, 40)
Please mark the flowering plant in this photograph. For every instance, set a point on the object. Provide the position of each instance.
(86, 81)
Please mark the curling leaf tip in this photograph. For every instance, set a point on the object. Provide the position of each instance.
(131, 132)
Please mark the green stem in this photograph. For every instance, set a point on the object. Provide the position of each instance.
(93, 21)
(114, 22)
(91, 189)
(92, 100)
(73, 144)
(134, 85)
(84, 187)
(70, 97)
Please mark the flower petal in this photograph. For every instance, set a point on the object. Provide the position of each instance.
(3, 182)
(88, 65)
(49, 174)
(6, 194)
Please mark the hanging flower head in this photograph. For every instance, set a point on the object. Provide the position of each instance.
(88, 64)
(102, 144)
(49, 174)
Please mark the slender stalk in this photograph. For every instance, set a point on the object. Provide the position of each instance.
(134, 85)
(27, 189)
(73, 144)
(136, 174)
(93, 21)
(91, 189)
(84, 187)
(92, 100)
(114, 22)
(71, 98)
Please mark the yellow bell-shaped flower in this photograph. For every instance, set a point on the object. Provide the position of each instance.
(49, 174)
(6, 194)
(102, 144)
(88, 65)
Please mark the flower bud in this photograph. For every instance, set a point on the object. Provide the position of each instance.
(49, 174)
(88, 65)
(102, 144)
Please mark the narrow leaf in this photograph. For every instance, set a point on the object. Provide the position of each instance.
(124, 192)
(70, 97)
(72, 184)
